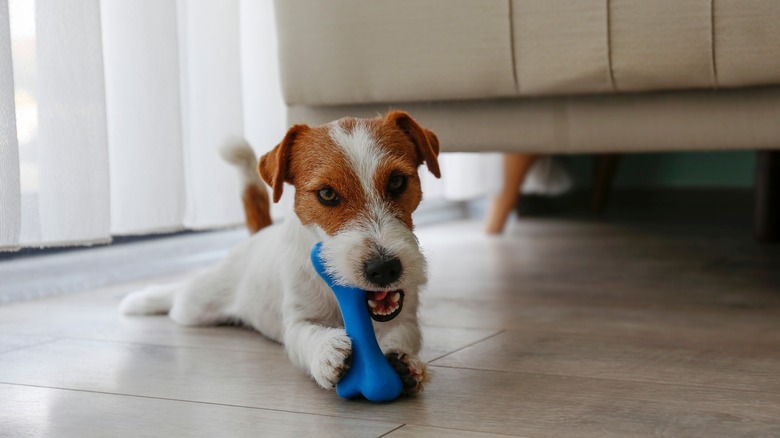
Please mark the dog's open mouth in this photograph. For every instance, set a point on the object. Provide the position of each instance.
(384, 305)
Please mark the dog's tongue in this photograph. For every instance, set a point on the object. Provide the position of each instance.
(378, 296)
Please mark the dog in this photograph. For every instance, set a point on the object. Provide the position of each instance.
(356, 185)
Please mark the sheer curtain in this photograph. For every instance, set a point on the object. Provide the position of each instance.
(112, 113)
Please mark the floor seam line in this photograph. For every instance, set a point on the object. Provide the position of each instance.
(467, 346)
(604, 379)
(460, 429)
(112, 341)
(229, 405)
(391, 431)
(37, 344)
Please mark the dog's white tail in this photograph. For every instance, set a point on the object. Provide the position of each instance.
(153, 300)
(237, 152)
(257, 206)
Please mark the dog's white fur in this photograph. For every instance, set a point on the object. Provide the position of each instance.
(268, 283)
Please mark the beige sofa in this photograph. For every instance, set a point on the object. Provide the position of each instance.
(545, 76)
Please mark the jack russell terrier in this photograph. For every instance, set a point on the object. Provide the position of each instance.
(356, 186)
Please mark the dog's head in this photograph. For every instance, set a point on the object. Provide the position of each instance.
(356, 185)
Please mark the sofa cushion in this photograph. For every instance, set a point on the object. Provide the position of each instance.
(336, 52)
(352, 51)
(661, 44)
(594, 46)
(747, 42)
(561, 46)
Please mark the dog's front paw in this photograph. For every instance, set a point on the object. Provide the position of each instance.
(411, 369)
(332, 358)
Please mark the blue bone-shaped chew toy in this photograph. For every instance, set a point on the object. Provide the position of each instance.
(370, 374)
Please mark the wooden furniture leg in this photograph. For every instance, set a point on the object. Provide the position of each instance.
(604, 169)
(768, 196)
(516, 167)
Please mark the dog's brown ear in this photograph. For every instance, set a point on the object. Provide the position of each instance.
(274, 166)
(425, 141)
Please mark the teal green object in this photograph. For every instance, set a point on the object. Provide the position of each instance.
(370, 374)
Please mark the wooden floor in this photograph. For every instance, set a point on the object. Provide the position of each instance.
(560, 328)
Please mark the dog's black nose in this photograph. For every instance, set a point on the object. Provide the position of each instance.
(382, 271)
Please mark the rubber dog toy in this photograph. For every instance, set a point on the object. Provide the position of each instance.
(370, 374)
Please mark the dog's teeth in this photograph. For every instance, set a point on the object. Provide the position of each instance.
(396, 297)
(372, 304)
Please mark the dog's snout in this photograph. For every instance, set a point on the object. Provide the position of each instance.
(382, 270)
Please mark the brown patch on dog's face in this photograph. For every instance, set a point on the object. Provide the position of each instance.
(315, 162)
(407, 146)
(400, 161)
(311, 160)
(322, 164)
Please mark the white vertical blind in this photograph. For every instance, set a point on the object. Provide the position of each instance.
(264, 115)
(212, 110)
(10, 199)
(141, 47)
(73, 198)
(120, 110)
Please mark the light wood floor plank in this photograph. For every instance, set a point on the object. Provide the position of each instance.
(412, 431)
(51, 413)
(484, 401)
(620, 357)
(9, 342)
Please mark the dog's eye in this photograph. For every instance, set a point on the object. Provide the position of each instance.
(328, 196)
(396, 185)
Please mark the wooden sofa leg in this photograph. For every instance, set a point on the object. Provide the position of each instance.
(604, 169)
(516, 167)
(768, 196)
